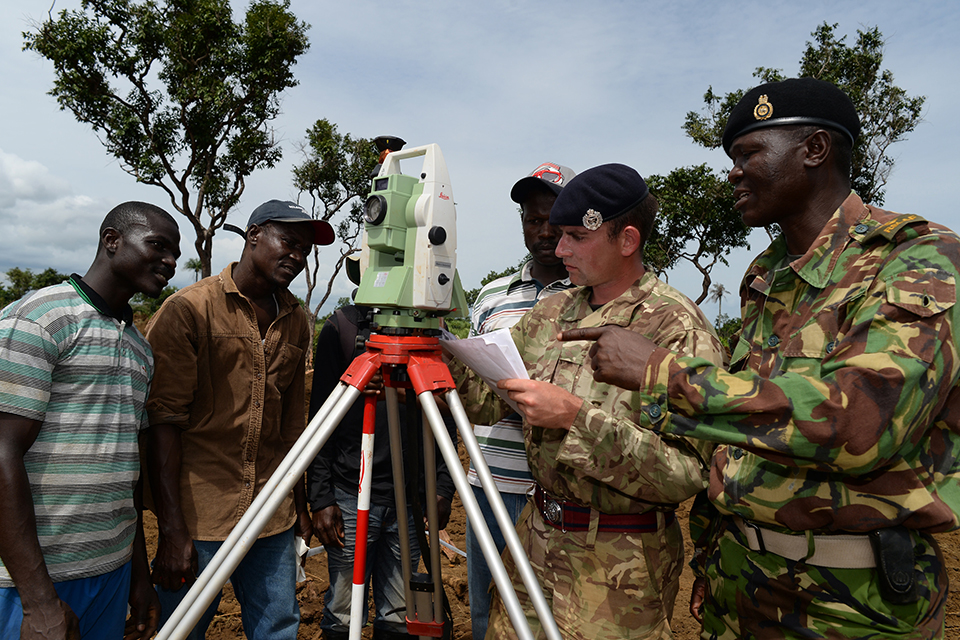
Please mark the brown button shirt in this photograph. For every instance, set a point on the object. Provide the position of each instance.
(238, 399)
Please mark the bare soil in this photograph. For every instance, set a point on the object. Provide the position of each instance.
(226, 625)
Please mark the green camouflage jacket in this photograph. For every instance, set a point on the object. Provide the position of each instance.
(605, 460)
(841, 408)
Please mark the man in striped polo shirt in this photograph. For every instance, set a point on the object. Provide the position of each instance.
(74, 376)
(499, 305)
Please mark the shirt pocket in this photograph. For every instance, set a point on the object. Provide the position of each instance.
(821, 334)
(283, 365)
(922, 292)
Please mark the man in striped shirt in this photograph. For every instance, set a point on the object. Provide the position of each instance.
(74, 376)
(499, 305)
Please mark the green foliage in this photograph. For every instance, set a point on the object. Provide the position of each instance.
(727, 330)
(178, 92)
(335, 173)
(697, 222)
(147, 306)
(887, 113)
(459, 327)
(194, 264)
(717, 293)
(23, 281)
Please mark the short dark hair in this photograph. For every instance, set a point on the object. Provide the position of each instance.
(642, 216)
(842, 147)
(125, 215)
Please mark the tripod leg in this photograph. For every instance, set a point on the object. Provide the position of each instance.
(358, 600)
(503, 519)
(452, 459)
(258, 514)
(433, 518)
(400, 494)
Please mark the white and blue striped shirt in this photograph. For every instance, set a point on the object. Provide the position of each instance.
(500, 305)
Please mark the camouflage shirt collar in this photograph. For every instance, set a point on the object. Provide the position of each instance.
(850, 222)
(618, 311)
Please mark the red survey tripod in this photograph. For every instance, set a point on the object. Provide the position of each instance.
(404, 361)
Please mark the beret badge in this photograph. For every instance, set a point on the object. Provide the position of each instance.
(764, 109)
(592, 219)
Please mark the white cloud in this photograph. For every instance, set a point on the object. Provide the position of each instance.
(26, 181)
(44, 224)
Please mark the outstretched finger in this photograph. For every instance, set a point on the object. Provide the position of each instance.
(584, 333)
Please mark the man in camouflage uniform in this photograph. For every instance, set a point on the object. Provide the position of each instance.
(838, 422)
(601, 532)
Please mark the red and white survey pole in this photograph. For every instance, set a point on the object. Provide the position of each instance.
(358, 594)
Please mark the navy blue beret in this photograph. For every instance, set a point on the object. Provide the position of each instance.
(802, 101)
(597, 195)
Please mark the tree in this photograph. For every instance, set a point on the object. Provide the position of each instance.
(887, 113)
(179, 93)
(697, 222)
(717, 293)
(144, 306)
(194, 264)
(23, 281)
(335, 173)
(727, 329)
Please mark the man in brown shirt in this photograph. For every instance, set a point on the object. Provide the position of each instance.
(226, 406)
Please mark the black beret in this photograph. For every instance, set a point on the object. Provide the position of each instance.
(803, 101)
(597, 195)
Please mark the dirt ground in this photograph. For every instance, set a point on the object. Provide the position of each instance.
(226, 625)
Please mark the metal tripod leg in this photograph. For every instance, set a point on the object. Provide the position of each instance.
(245, 533)
(499, 572)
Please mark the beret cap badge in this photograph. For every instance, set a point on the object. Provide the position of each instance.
(592, 219)
(764, 109)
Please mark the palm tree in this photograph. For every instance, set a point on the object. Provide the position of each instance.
(717, 293)
(194, 264)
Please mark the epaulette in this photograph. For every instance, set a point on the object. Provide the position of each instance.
(889, 230)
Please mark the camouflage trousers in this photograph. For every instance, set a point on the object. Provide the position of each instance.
(600, 585)
(756, 595)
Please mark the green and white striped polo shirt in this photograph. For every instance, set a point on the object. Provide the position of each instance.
(85, 376)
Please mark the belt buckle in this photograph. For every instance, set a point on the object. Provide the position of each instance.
(554, 512)
(758, 532)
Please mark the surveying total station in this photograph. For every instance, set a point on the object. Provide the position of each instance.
(409, 277)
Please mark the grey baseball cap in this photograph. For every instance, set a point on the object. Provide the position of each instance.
(286, 211)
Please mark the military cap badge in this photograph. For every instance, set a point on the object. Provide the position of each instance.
(764, 109)
(592, 219)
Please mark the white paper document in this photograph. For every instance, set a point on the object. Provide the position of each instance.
(493, 356)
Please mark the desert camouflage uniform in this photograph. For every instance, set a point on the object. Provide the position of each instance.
(602, 584)
(840, 413)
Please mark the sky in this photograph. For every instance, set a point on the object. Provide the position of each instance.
(501, 86)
